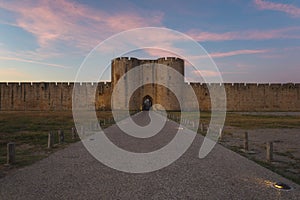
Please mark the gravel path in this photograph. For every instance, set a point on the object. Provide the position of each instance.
(73, 173)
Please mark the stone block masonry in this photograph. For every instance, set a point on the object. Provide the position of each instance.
(254, 97)
(46, 96)
(50, 96)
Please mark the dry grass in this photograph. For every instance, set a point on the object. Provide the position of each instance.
(248, 121)
(29, 130)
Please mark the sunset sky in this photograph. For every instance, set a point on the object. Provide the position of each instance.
(249, 40)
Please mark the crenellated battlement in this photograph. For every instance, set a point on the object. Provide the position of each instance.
(58, 95)
(42, 96)
(45, 96)
(148, 60)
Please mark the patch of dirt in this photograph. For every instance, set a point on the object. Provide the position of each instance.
(286, 147)
(25, 146)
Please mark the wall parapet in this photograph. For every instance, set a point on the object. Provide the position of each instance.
(43, 96)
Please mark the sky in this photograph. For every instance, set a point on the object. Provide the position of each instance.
(249, 40)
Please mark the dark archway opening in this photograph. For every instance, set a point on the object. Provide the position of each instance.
(147, 103)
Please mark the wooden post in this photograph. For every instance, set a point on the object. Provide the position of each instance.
(73, 132)
(220, 134)
(91, 126)
(61, 136)
(50, 139)
(201, 127)
(269, 151)
(82, 130)
(11, 153)
(246, 144)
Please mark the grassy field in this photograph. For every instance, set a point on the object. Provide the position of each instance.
(238, 123)
(249, 121)
(29, 130)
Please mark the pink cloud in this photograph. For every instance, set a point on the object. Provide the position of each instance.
(74, 23)
(165, 53)
(231, 53)
(32, 61)
(290, 32)
(287, 8)
(238, 52)
(206, 73)
(13, 74)
(159, 52)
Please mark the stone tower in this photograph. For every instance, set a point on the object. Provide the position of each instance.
(149, 71)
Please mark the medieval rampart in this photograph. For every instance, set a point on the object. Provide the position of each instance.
(58, 96)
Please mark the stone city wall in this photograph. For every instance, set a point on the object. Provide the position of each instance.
(58, 96)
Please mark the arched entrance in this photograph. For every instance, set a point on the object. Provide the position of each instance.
(147, 102)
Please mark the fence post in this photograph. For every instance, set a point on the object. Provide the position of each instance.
(50, 139)
(73, 132)
(11, 153)
(269, 151)
(61, 136)
(220, 134)
(201, 127)
(246, 144)
(82, 130)
(91, 126)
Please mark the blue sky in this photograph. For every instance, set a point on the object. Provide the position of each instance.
(250, 41)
